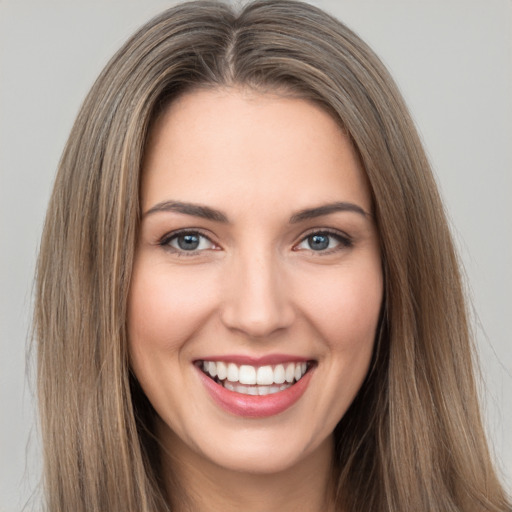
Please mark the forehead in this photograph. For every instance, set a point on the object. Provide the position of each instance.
(224, 146)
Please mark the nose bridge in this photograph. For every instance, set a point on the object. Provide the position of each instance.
(258, 301)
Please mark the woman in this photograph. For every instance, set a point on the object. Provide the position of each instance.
(244, 207)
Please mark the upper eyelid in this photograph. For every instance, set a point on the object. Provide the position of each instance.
(327, 230)
(171, 234)
(165, 243)
(343, 238)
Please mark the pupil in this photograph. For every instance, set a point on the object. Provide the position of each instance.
(188, 242)
(318, 242)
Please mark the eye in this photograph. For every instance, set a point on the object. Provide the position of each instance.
(324, 241)
(187, 241)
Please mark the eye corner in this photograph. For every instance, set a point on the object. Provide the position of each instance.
(342, 241)
(198, 242)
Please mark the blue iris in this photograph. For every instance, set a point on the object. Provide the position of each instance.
(188, 242)
(318, 242)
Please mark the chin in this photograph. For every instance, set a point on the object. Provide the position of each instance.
(250, 449)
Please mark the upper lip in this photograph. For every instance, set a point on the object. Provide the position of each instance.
(269, 359)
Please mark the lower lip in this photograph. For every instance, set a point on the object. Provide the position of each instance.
(251, 406)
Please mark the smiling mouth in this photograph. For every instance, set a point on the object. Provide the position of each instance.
(255, 380)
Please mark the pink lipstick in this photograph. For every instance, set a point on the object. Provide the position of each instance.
(255, 387)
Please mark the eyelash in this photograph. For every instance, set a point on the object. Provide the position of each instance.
(166, 240)
(344, 241)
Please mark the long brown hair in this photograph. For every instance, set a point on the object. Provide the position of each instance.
(413, 437)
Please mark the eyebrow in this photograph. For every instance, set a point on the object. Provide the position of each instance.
(196, 210)
(205, 212)
(326, 209)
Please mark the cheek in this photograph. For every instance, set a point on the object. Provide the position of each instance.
(343, 312)
(345, 308)
(166, 307)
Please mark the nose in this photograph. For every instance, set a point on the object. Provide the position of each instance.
(257, 297)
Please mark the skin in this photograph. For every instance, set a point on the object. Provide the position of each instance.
(254, 287)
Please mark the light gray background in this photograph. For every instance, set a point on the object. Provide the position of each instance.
(453, 62)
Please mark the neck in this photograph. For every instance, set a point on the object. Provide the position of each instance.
(197, 484)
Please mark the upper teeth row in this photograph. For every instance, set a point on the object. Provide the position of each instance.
(261, 375)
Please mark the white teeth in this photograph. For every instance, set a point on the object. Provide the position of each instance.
(290, 372)
(279, 374)
(247, 374)
(222, 370)
(263, 390)
(232, 372)
(265, 375)
(252, 380)
(254, 390)
(212, 369)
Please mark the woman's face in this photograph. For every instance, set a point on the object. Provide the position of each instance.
(257, 280)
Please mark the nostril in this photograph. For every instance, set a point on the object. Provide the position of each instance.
(257, 320)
